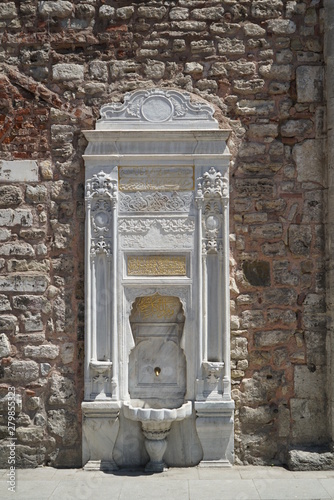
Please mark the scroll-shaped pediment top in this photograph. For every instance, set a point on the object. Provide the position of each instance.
(157, 108)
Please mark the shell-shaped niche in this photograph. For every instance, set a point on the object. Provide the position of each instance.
(157, 364)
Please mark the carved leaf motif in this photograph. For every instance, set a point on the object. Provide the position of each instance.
(179, 109)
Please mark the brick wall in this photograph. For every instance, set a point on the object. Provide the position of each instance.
(260, 63)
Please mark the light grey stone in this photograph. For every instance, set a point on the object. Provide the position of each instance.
(41, 352)
(280, 72)
(107, 12)
(309, 158)
(23, 283)
(67, 352)
(4, 303)
(151, 12)
(281, 26)
(154, 69)
(309, 80)
(231, 46)
(45, 369)
(62, 391)
(208, 14)
(65, 72)
(60, 9)
(310, 459)
(292, 128)
(253, 30)
(10, 196)
(4, 346)
(304, 413)
(272, 338)
(309, 383)
(17, 249)
(8, 10)
(125, 12)
(99, 70)
(22, 371)
(18, 170)
(179, 14)
(36, 194)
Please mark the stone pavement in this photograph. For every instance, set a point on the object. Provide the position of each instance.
(237, 483)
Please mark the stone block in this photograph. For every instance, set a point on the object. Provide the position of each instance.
(106, 12)
(20, 283)
(313, 210)
(277, 249)
(62, 391)
(156, 13)
(248, 107)
(179, 14)
(8, 323)
(257, 273)
(60, 9)
(255, 187)
(193, 68)
(281, 26)
(252, 319)
(18, 170)
(125, 12)
(209, 14)
(310, 459)
(36, 194)
(67, 352)
(17, 249)
(231, 46)
(283, 275)
(4, 346)
(202, 47)
(272, 338)
(22, 371)
(300, 238)
(258, 131)
(99, 70)
(33, 323)
(4, 303)
(271, 230)
(154, 69)
(266, 9)
(253, 30)
(10, 196)
(309, 421)
(46, 351)
(293, 128)
(239, 348)
(279, 72)
(66, 72)
(61, 191)
(253, 418)
(27, 435)
(7, 11)
(309, 80)
(63, 424)
(309, 383)
(32, 303)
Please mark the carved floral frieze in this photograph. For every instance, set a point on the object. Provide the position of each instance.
(155, 202)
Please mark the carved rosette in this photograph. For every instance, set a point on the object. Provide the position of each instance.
(212, 196)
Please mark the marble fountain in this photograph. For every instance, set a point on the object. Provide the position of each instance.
(157, 340)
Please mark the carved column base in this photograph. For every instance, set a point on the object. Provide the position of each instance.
(215, 429)
(99, 432)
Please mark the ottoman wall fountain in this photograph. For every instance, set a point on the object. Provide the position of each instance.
(157, 355)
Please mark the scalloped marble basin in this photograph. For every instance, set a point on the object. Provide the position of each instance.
(156, 424)
(157, 414)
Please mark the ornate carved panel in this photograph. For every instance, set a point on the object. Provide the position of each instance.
(155, 202)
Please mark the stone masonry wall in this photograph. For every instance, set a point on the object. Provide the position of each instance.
(260, 63)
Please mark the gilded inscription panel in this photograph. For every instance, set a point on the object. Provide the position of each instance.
(167, 178)
(157, 307)
(157, 265)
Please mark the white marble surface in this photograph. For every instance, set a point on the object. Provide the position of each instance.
(157, 185)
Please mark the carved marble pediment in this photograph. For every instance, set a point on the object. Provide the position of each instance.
(156, 107)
